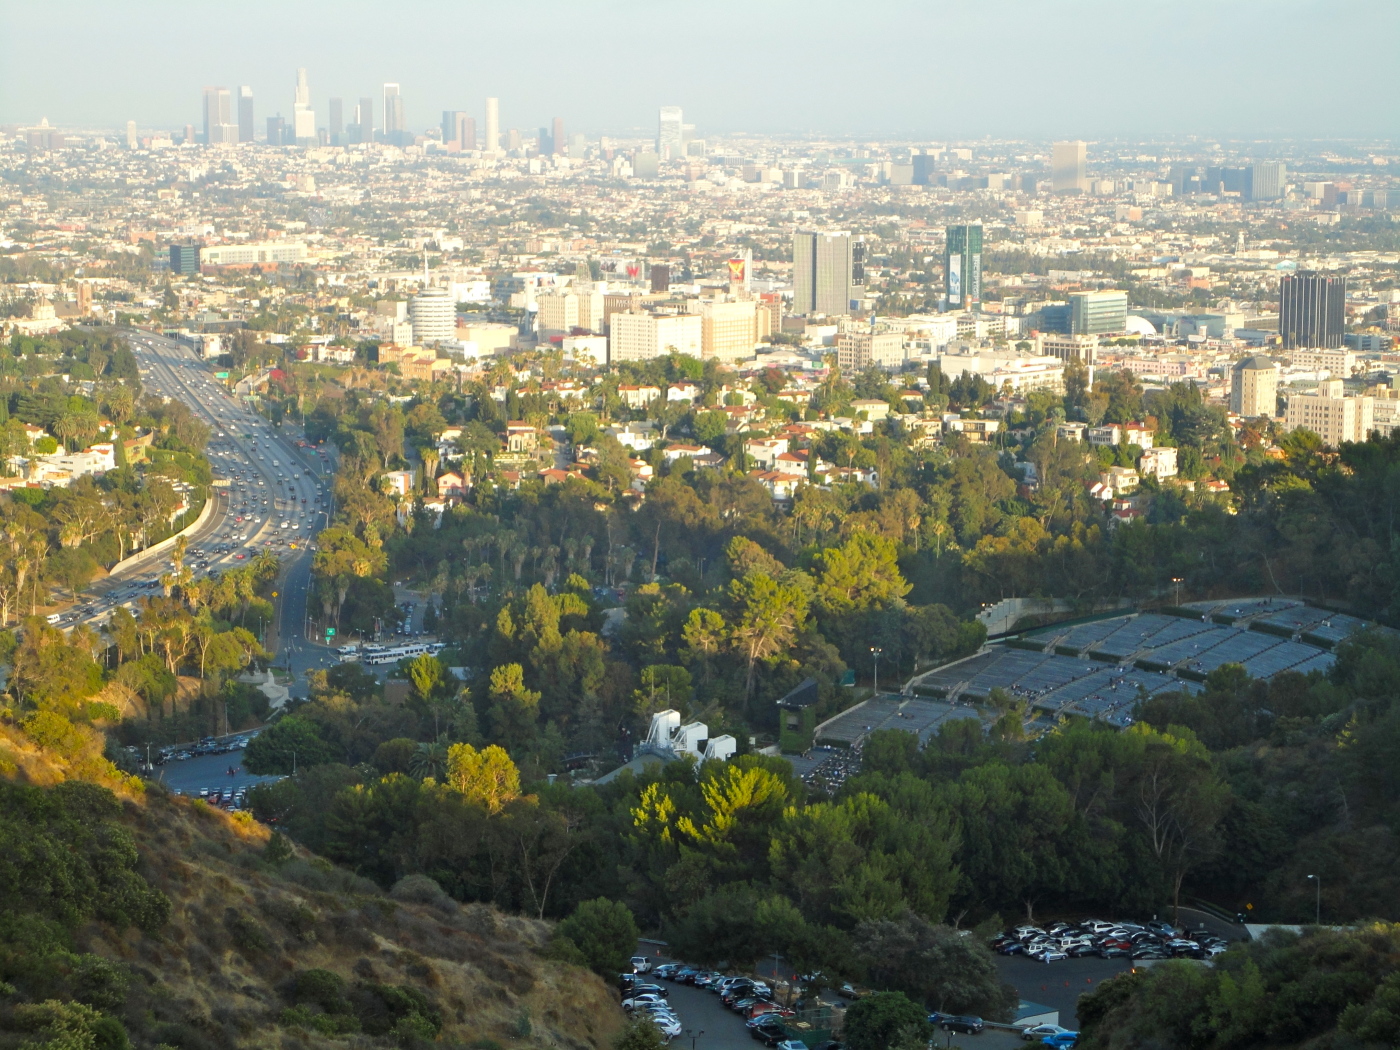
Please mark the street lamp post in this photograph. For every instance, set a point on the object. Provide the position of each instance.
(875, 651)
(1317, 915)
(695, 1034)
(1176, 581)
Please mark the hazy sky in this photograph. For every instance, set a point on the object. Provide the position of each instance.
(918, 68)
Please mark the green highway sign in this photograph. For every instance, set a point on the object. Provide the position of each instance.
(330, 632)
(220, 375)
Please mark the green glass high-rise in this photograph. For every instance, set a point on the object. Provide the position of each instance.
(962, 266)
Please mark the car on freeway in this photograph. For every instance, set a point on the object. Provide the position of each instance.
(1040, 1031)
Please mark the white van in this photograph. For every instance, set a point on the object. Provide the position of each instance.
(52, 619)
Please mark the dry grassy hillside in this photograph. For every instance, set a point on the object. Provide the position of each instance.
(242, 929)
(296, 953)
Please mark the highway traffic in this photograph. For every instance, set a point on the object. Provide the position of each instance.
(271, 493)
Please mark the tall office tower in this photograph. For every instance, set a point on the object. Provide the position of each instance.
(189, 138)
(670, 133)
(466, 131)
(131, 140)
(962, 266)
(184, 259)
(1312, 310)
(449, 125)
(276, 131)
(1098, 313)
(1267, 180)
(1067, 173)
(245, 114)
(578, 145)
(364, 117)
(828, 271)
(1254, 387)
(1185, 179)
(924, 165)
(556, 136)
(513, 139)
(303, 116)
(493, 126)
(546, 144)
(393, 112)
(337, 128)
(217, 103)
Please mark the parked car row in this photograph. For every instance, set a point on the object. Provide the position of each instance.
(751, 999)
(1108, 940)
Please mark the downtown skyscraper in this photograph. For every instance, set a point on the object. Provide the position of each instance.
(303, 116)
(828, 272)
(1312, 310)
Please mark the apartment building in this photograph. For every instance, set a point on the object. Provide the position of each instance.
(642, 336)
(1331, 415)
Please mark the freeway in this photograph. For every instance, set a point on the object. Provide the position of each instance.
(271, 493)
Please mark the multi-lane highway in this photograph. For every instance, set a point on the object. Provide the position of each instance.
(272, 492)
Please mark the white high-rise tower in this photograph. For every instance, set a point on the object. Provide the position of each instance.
(670, 133)
(393, 112)
(303, 116)
(493, 125)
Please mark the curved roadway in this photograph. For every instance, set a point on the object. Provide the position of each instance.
(275, 494)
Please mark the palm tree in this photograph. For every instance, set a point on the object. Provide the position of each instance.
(429, 759)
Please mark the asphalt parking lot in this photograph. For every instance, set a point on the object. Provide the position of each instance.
(1058, 984)
(208, 771)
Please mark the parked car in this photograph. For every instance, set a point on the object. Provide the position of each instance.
(640, 964)
(963, 1023)
(792, 1044)
(1061, 1041)
(665, 970)
(1151, 951)
(654, 989)
(1049, 955)
(1040, 1031)
(636, 1002)
(767, 1031)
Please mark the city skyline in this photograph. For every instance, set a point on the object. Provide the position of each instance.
(1077, 50)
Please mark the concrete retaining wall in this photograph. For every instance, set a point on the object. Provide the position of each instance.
(169, 542)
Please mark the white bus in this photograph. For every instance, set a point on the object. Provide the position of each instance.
(396, 653)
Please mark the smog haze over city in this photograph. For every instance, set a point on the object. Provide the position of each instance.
(822, 525)
(1252, 68)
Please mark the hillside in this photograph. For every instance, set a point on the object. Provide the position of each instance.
(261, 947)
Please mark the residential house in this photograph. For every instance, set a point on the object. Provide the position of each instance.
(451, 485)
(521, 438)
(1159, 463)
(398, 482)
(671, 453)
(762, 451)
(638, 397)
(978, 431)
(875, 410)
